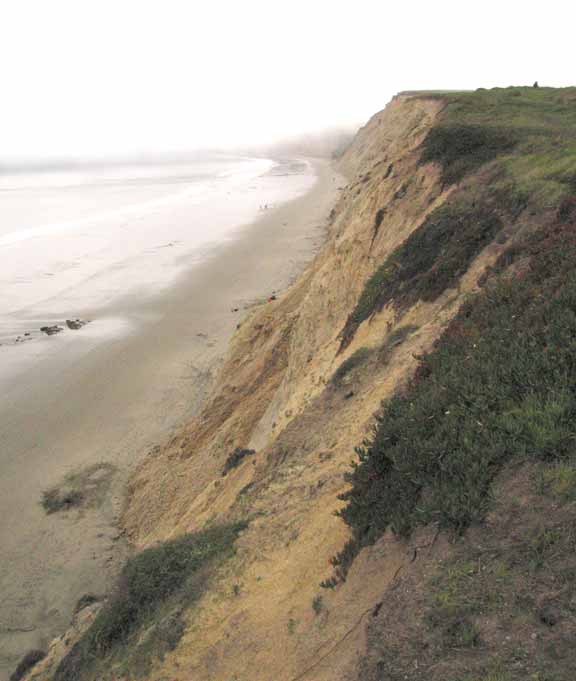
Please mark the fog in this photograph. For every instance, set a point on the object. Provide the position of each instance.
(100, 77)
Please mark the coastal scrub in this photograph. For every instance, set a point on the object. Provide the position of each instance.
(499, 384)
(153, 589)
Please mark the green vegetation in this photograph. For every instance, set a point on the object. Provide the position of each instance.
(380, 213)
(317, 604)
(432, 259)
(292, 624)
(153, 589)
(503, 676)
(235, 458)
(393, 340)
(29, 660)
(484, 435)
(500, 382)
(499, 606)
(86, 601)
(498, 385)
(378, 219)
(455, 630)
(355, 360)
(462, 149)
(372, 357)
(55, 500)
(529, 137)
(559, 481)
(542, 545)
(532, 131)
(81, 489)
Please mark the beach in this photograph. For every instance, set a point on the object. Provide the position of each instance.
(90, 404)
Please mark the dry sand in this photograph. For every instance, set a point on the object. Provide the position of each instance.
(111, 405)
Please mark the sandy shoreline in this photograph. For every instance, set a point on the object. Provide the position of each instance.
(111, 405)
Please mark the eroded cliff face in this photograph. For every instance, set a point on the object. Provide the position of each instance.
(266, 617)
(275, 396)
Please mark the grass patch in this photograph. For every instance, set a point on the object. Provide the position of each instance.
(498, 385)
(86, 601)
(558, 480)
(341, 563)
(531, 133)
(355, 360)
(378, 220)
(545, 544)
(470, 585)
(463, 149)
(171, 573)
(235, 458)
(432, 259)
(158, 640)
(455, 630)
(531, 130)
(494, 401)
(493, 676)
(81, 489)
(317, 604)
(393, 340)
(55, 500)
(484, 608)
(379, 217)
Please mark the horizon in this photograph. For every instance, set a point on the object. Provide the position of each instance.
(93, 80)
(171, 156)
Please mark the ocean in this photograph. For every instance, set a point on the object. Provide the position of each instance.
(165, 261)
(79, 241)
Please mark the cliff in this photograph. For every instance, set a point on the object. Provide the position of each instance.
(454, 203)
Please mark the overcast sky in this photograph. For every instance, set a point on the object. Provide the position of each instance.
(121, 76)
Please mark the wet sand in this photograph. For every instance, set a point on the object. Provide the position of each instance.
(110, 402)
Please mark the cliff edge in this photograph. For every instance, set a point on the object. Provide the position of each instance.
(442, 303)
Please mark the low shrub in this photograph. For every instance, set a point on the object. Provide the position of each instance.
(84, 488)
(530, 132)
(542, 545)
(341, 563)
(379, 217)
(454, 629)
(462, 149)
(148, 580)
(29, 660)
(235, 458)
(154, 643)
(431, 259)
(317, 604)
(55, 500)
(85, 601)
(355, 360)
(559, 481)
(499, 384)
(393, 340)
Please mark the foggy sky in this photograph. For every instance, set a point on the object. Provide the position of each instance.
(93, 77)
